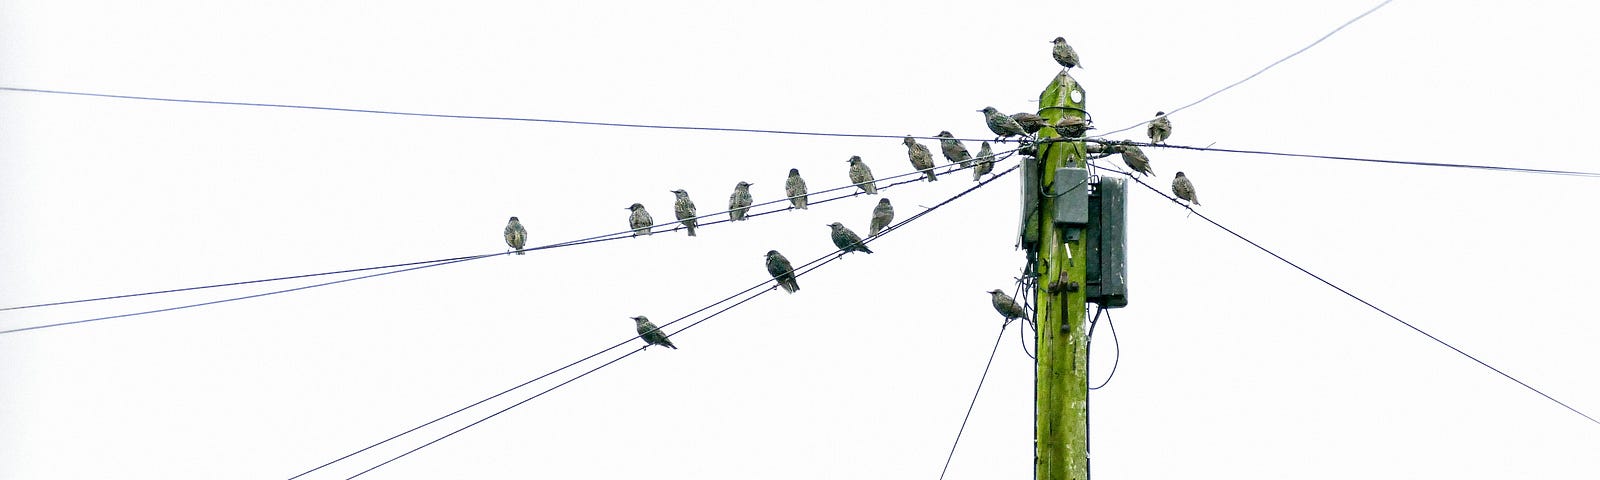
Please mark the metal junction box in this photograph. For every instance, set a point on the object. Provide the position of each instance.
(1107, 243)
(1071, 191)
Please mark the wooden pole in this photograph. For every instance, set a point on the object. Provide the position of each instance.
(1061, 431)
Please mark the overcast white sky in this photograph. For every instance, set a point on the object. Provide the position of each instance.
(1233, 365)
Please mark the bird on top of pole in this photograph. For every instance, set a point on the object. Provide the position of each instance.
(739, 202)
(881, 216)
(1136, 160)
(846, 240)
(782, 272)
(684, 208)
(516, 236)
(1159, 129)
(953, 150)
(650, 334)
(639, 220)
(862, 176)
(1001, 124)
(921, 158)
(795, 189)
(1183, 189)
(1064, 53)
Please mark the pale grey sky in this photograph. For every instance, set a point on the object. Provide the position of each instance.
(1233, 364)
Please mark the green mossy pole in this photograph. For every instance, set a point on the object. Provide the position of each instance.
(1061, 429)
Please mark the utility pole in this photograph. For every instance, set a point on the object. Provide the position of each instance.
(1061, 397)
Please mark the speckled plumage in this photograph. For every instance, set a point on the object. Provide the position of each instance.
(862, 176)
(651, 334)
(882, 215)
(1072, 126)
(983, 163)
(1000, 124)
(1007, 307)
(782, 272)
(1136, 160)
(1063, 53)
(639, 220)
(1029, 122)
(921, 158)
(1183, 189)
(953, 150)
(795, 189)
(684, 208)
(739, 202)
(1159, 129)
(846, 240)
(516, 236)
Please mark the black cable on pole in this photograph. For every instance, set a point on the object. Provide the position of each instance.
(1353, 159)
(1353, 296)
(974, 401)
(480, 117)
(1115, 344)
(799, 271)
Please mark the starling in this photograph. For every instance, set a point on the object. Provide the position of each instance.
(651, 334)
(516, 236)
(781, 271)
(795, 189)
(1072, 126)
(846, 240)
(921, 158)
(685, 210)
(881, 216)
(1160, 128)
(739, 202)
(954, 151)
(1000, 124)
(1136, 160)
(639, 220)
(1007, 307)
(985, 162)
(862, 176)
(1029, 122)
(1064, 54)
(1183, 189)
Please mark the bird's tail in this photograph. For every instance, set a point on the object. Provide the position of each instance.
(790, 285)
(520, 252)
(872, 188)
(691, 228)
(931, 176)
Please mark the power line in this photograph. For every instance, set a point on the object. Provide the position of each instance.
(1115, 343)
(478, 117)
(799, 271)
(1353, 296)
(1353, 159)
(433, 263)
(974, 402)
(1263, 69)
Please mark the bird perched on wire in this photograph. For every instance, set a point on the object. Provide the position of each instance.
(1007, 306)
(921, 158)
(1183, 189)
(1029, 122)
(1072, 126)
(739, 202)
(1136, 160)
(685, 210)
(1064, 53)
(639, 220)
(782, 272)
(862, 176)
(846, 240)
(1001, 124)
(795, 189)
(881, 216)
(1159, 129)
(953, 150)
(516, 236)
(651, 334)
(984, 163)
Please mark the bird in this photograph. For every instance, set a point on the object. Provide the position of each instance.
(1007, 307)
(1001, 124)
(1073, 126)
(516, 236)
(1064, 53)
(1160, 128)
(1029, 122)
(985, 162)
(1183, 189)
(651, 334)
(685, 210)
(782, 272)
(862, 176)
(921, 158)
(739, 202)
(795, 189)
(639, 220)
(1136, 160)
(881, 216)
(953, 150)
(846, 240)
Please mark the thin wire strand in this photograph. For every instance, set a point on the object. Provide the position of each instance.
(1116, 345)
(974, 402)
(1262, 70)
(481, 117)
(1354, 159)
(800, 271)
(1353, 296)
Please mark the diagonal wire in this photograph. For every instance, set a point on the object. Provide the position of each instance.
(974, 402)
(1353, 159)
(1356, 298)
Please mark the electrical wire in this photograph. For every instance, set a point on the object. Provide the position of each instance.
(1262, 70)
(1115, 343)
(1353, 159)
(481, 117)
(1353, 296)
(798, 271)
(974, 401)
